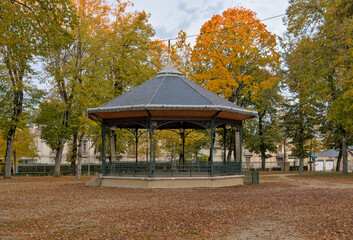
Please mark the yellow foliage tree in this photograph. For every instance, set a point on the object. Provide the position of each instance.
(24, 146)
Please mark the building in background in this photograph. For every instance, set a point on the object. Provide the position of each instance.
(46, 155)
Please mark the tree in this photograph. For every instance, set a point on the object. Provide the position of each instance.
(304, 111)
(127, 49)
(77, 74)
(194, 141)
(320, 33)
(231, 51)
(23, 147)
(262, 133)
(298, 126)
(127, 55)
(88, 69)
(108, 47)
(24, 26)
(235, 56)
(180, 54)
(49, 118)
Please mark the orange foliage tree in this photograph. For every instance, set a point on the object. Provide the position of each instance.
(231, 53)
(235, 56)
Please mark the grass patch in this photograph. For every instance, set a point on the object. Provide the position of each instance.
(336, 177)
(264, 173)
(324, 175)
(190, 232)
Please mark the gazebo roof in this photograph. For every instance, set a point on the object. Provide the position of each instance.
(171, 95)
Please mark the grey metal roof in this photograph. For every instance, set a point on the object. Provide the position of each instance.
(329, 153)
(170, 90)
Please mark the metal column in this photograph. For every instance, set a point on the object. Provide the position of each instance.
(104, 130)
(241, 148)
(150, 172)
(224, 143)
(211, 152)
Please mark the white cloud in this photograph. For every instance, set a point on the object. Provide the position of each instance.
(169, 17)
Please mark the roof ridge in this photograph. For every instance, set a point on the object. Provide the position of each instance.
(157, 90)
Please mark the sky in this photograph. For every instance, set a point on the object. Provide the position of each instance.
(168, 17)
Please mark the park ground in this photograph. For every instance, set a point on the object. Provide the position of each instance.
(283, 206)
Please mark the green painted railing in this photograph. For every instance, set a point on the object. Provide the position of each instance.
(169, 169)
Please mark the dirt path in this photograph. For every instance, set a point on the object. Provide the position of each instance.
(295, 180)
(267, 230)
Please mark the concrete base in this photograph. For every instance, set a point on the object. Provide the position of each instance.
(95, 182)
(167, 182)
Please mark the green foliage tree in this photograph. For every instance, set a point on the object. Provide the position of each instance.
(319, 59)
(24, 27)
(298, 126)
(128, 48)
(49, 118)
(262, 133)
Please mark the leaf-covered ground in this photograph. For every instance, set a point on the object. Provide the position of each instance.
(281, 207)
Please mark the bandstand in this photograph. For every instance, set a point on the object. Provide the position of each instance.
(170, 101)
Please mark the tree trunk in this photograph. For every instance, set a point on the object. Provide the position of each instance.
(229, 156)
(74, 154)
(344, 152)
(338, 165)
(16, 77)
(136, 145)
(262, 145)
(147, 160)
(154, 151)
(237, 146)
(73, 168)
(14, 163)
(212, 146)
(284, 154)
(79, 156)
(301, 165)
(231, 143)
(58, 158)
(263, 160)
(8, 153)
(112, 146)
(235, 150)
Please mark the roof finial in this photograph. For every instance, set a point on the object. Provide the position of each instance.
(169, 61)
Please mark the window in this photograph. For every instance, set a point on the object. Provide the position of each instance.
(84, 146)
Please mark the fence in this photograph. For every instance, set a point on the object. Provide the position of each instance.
(166, 169)
(169, 169)
(270, 166)
(48, 169)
